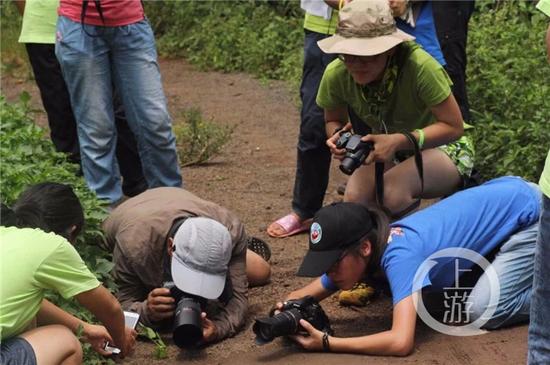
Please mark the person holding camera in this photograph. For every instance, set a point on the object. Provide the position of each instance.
(170, 235)
(34, 330)
(349, 242)
(395, 87)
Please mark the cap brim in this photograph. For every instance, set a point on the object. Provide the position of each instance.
(363, 46)
(316, 263)
(197, 283)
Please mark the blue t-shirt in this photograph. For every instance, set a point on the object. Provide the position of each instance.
(479, 219)
(425, 32)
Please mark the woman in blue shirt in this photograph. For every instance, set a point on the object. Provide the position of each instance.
(349, 242)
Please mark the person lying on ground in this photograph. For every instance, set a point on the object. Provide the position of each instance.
(168, 234)
(34, 330)
(349, 242)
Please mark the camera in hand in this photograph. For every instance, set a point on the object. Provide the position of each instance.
(287, 322)
(356, 151)
(187, 330)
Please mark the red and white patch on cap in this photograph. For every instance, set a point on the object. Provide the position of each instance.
(315, 233)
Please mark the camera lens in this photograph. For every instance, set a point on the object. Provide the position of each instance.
(187, 323)
(282, 324)
(348, 165)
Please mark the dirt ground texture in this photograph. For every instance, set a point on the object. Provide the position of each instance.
(254, 176)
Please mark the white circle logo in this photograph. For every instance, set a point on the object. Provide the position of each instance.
(458, 300)
(315, 233)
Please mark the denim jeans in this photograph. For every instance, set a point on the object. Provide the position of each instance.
(513, 264)
(539, 328)
(126, 57)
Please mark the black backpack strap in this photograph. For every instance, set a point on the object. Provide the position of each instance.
(83, 15)
(379, 179)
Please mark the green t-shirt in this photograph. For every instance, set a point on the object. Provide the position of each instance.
(32, 261)
(544, 181)
(321, 25)
(544, 6)
(39, 22)
(421, 83)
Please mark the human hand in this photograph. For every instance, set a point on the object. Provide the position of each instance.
(337, 153)
(129, 342)
(313, 341)
(209, 331)
(97, 336)
(160, 304)
(385, 146)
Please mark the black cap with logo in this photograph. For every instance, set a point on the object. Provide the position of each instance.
(335, 228)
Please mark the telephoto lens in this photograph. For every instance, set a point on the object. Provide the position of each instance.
(287, 322)
(281, 324)
(187, 329)
(187, 323)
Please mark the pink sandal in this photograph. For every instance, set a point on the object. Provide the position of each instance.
(291, 224)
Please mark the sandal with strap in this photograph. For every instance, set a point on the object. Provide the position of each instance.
(291, 225)
(259, 247)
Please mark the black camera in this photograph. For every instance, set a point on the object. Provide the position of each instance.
(287, 322)
(356, 151)
(187, 330)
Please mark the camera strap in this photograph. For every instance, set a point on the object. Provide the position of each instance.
(379, 179)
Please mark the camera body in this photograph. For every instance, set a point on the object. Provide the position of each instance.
(356, 151)
(187, 328)
(287, 322)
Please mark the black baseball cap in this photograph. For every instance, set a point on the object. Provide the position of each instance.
(335, 228)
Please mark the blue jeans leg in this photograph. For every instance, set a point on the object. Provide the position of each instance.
(513, 264)
(539, 328)
(137, 77)
(85, 64)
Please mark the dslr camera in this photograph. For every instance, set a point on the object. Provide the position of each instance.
(356, 151)
(287, 322)
(187, 329)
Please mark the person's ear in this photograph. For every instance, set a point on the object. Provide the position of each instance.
(72, 233)
(366, 248)
(170, 246)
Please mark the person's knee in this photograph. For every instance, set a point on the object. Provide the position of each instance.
(258, 271)
(54, 344)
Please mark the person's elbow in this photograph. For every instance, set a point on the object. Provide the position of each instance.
(402, 347)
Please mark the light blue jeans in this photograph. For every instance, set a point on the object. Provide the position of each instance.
(513, 264)
(127, 57)
(539, 328)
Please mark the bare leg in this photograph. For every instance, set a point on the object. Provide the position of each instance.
(402, 184)
(258, 270)
(54, 345)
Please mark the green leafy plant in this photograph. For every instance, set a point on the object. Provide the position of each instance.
(199, 139)
(28, 158)
(161, 351)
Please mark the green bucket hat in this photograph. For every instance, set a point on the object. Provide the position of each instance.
(365, 28)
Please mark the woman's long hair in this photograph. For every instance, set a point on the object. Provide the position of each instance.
(52, 207)
(378, 238)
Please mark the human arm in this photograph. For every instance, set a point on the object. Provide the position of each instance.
(447, 128)
(398, 341)
(314, 289)
(336, 119)
(108, 311)
(95, 335)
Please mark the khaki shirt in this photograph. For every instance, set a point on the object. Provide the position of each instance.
(136, 233)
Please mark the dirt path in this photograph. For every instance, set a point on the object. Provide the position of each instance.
(254, 177)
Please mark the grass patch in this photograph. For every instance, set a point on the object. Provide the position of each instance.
(199, 139)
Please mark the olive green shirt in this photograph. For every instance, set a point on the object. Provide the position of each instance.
(421, 83)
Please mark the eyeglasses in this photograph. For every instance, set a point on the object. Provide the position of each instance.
(348, 58)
